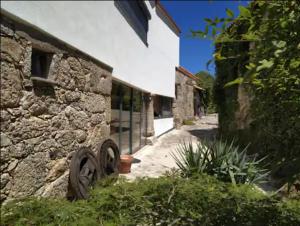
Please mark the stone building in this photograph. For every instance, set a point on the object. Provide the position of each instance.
(187, 102)
(47, 115)
(75, 74)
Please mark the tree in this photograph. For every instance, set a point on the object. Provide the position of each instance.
(206, 81)
(259, 50)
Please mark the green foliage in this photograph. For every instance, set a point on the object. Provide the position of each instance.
(259, 50)
(188, 122)
(169, 200)
(229, 13)
(236, 81)
(223, 160)
(244, 12)
(206, 81)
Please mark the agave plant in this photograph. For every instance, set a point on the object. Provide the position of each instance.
(226, 161)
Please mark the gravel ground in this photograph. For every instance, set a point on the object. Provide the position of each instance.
(153, 161)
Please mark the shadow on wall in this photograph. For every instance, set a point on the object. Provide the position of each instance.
(41, 89)
(201, 134)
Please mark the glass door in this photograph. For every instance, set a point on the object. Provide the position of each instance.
(136, 122)
(115, 124)
(126, 118)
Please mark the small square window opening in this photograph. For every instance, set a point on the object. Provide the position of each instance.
(40, 63)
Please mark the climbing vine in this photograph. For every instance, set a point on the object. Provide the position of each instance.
(259, 50)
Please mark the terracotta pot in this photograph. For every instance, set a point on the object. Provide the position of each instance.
(125, 164)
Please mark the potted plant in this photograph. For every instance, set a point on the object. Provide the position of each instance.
(125, 163)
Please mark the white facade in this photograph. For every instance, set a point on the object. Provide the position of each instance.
(162, 125)
(99, 29)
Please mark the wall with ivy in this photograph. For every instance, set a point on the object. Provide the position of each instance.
(257, 61)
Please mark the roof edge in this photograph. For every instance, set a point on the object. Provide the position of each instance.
(164, 11)
(186, 72)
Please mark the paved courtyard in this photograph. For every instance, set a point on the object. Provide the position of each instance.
(153, 161)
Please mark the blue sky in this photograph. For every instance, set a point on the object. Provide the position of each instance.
(195, 52)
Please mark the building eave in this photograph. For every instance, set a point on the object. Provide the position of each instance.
(186, 73)
(168, 16)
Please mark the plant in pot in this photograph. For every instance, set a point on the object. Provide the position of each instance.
(125, 163)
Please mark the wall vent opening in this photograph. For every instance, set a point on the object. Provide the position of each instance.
(40, 63)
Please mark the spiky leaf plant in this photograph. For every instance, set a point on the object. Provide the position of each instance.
(226, 161)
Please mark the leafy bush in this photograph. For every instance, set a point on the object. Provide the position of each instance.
(188, 122)
(257, 80)
(224, 160)
(206, 81)
(202, 200)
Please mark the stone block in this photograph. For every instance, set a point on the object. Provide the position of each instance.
(12, 165)
(97, 119)
(60, 121)
(4, 179)
(97, 134)
(79, 79)
(63, 77)
(26, 66)
(94, 103)
(57, 188)
(20, 150)
(74, 64)
(38, 109)
(11, 86)
(12, 48)
(47, 145)
(65, 137)
(6, 30)
(81, 135)
(101, 84)
(58, 168)
(71, 96)
(5, 141)
(29, 175)
(29, 128)
(77, 119)
(5, 118)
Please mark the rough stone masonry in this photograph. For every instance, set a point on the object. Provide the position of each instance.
(43, 123)
(183, 106)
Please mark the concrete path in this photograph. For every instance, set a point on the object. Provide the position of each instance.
(153, 161)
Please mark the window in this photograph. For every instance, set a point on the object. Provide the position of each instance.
(126, 118)
(137, 16)
(40, 63)
(162, 107)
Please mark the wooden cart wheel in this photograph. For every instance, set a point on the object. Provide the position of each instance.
(84, 172)
(109, 158)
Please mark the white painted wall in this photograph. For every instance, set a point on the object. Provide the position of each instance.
(162, 125)
(98, 29)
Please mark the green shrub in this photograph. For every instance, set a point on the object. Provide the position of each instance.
(202, 200)
(224, 160)
(188, 122)
(257, 79)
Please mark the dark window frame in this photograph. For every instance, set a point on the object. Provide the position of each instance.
(162, 104)
(40, 63)
(118, 104)
(137, 15)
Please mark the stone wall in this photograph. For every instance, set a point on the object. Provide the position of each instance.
(43, 124)
(183, 106)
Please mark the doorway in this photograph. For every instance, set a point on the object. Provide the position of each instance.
(127, 122)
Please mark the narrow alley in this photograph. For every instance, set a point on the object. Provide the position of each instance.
(153, 161)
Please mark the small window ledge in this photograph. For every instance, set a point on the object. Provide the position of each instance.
(43, 80)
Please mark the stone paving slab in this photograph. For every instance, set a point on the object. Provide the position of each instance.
(153, 161)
